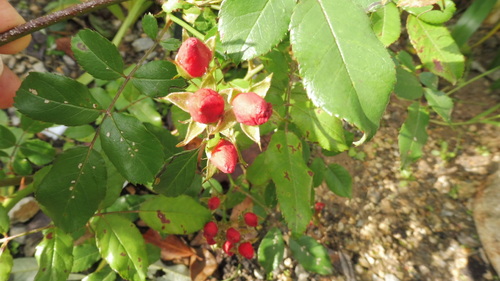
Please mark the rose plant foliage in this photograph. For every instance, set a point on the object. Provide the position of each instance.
(310, 77)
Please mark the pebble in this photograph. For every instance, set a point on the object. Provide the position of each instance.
(142, 44)
(39, 67)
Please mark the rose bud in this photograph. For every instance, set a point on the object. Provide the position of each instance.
(227, 246)
(206, 106)
(251, 219)
(224, 156)
(210, 229)
(193, 57)
(213, 203)
(233, 235)
(251, 109)
(245, 249)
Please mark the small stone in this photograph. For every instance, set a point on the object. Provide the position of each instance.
(142, 44)
(39, 67)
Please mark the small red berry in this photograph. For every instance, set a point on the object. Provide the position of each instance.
(251, 219)
(227, 248)
(206, 106)
(233, 235)
(213, 203)
(194, 57)
(224, 156)
(251, 109)
(210, 229)
(210, 240)
(245, 249)
(319, 206)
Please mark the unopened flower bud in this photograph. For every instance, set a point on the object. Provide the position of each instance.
(224, 156)
(193, 57)
(206, 106)
(251, 109)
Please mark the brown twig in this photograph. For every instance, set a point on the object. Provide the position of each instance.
(52, 18)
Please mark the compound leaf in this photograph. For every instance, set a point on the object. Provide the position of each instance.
(346, 71)
(54, 255)
(134, 151)
(56, 99)
(122, 246)
(97, 55)
(311, 255)
(292, 178)
(413, 136)
(71, 191)
(174, 215)
(251, 28)
(271, 250)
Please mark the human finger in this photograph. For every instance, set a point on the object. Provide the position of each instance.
(9, 19)
(9, 84)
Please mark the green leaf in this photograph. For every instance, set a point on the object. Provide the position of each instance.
(150, 25)
(7, 138)
(251, 28)
(85, 255)
(338, 180)
(105, 274)
(4, 220)
(97, 55)
(38, 151)
(54, 255)
(156, 79)
(166, 139)
(346, 71)
(84, 133)
(122, 246)
(318, 126)
(146, 111)
(271, 250)
(178, 174)
(135, 152)
(440, 103)
(413, 136)
(471, 20)
(171, 44)
(24, 269)
(71, 191)
(432, 15)
(292, 178)
(7, 262)
(174, 215)
(311, 255)
(258, 172)
(33, 126)
(45, 97)
(436, 49)
(407, 86)
(318, 167)
(386, 23)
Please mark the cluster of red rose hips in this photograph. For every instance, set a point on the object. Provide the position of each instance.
(233, 236)
(208, 107)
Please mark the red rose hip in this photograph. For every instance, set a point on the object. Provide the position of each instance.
(210, 229)
(206, 106)
(224, 156)
(194, 57)
(251, 219)
(246, 250)
(213, 203)
(251, 109)
(233, 235)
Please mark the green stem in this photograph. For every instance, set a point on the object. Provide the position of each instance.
(473, 80)
(253, 71)
(7, 239)
(11, 202)
(15, 181)
(186, 26)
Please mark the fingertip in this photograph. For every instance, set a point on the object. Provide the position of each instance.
(11, 18)
(9, 84)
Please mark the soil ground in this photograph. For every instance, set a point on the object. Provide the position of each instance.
(399, 225)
